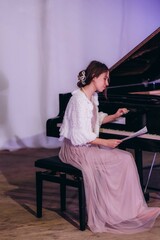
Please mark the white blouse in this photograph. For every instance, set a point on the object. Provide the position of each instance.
(77, 121)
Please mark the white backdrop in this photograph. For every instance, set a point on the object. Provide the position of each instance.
(45, 43)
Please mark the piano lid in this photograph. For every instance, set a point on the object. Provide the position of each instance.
(139, 70)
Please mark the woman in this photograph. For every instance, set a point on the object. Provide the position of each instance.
(114, 198)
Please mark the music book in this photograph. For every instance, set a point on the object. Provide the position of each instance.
(136, 134)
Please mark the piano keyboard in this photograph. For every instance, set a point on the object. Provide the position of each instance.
(126, 133)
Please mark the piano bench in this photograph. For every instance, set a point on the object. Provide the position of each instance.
(66, 175)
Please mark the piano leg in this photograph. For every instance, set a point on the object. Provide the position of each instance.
(138, 159)
(139, 163)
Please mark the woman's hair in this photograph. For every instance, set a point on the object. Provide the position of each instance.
(94, 69)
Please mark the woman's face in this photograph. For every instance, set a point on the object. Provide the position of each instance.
(101, 82)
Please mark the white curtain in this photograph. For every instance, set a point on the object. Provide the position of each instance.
(43, 46)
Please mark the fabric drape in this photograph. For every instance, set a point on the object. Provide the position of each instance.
(43, 46)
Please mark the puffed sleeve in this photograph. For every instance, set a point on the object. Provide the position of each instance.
(101, 115)
(77, 122)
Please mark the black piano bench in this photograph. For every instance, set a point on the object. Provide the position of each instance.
(66, 175)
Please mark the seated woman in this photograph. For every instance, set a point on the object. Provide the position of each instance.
(114, 198)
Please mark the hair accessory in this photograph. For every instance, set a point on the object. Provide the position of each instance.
(82, 78)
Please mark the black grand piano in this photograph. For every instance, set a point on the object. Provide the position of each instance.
(134, 84)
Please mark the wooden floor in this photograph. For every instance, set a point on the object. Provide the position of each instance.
(17, 202)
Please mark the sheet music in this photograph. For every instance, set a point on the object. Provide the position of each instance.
(136, 134)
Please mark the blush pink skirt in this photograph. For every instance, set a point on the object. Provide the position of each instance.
(114, 198)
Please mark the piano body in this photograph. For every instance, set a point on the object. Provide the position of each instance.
(134, 84)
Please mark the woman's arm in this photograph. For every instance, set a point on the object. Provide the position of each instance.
(112, 117)
(109, 118)
(112, 143)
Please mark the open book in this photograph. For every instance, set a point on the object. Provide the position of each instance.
(136, 134)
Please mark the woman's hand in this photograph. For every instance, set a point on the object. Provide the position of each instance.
(112, 143)
(120, 112)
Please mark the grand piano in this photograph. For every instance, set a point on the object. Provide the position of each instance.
(134, 84)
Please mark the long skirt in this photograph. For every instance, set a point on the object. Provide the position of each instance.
(114, 198)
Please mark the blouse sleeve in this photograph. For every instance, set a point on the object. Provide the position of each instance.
(102, 115)
(77, 122)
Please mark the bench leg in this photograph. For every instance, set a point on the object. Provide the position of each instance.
(39, 192)
(82, 205)
(63, 191)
